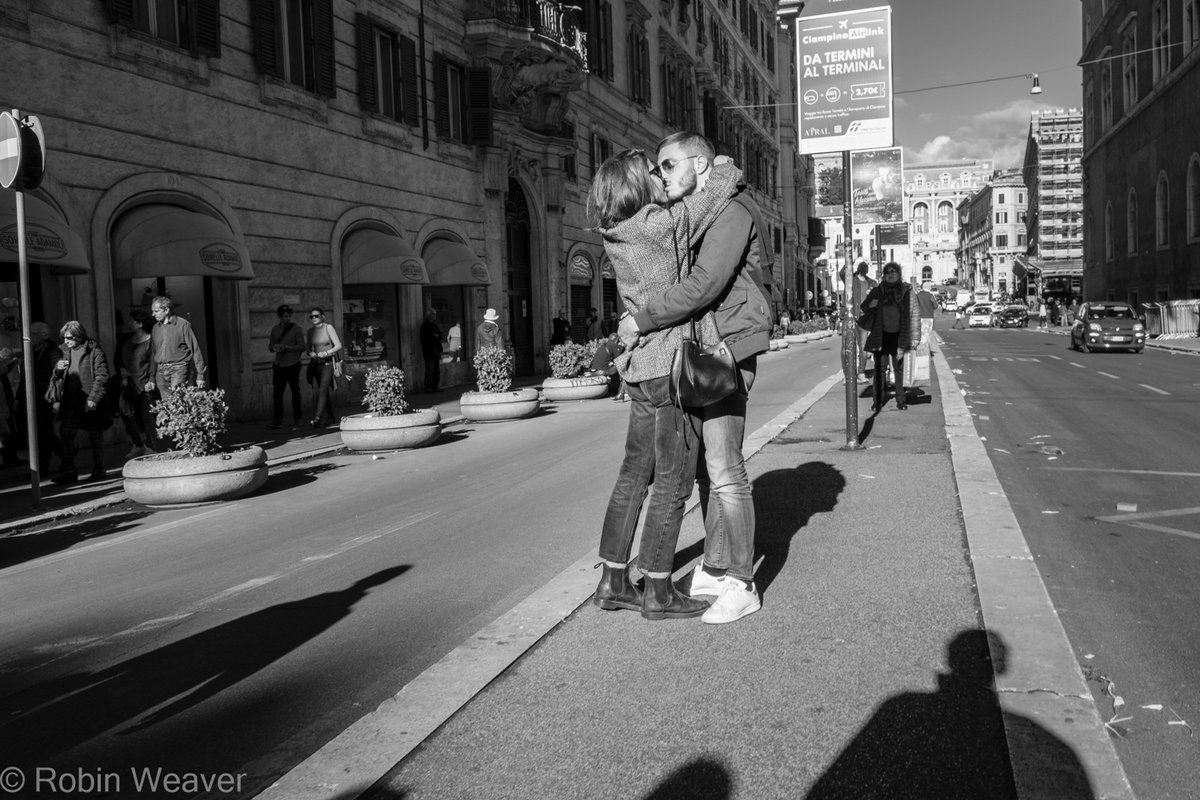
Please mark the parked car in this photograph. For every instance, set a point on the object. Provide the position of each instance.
(1013, 316)
(981, 315)
(1108, 325)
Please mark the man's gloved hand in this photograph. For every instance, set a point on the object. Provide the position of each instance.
(627, 329)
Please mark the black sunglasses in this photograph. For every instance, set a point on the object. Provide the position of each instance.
(669, 165)
(315, 316)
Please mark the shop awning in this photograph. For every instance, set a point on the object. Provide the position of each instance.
(157, 241)
(452, 263)
(49, 242)
(371, 256)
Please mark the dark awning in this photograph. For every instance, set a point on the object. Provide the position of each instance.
(49, 241)
(157, 240)
(452, 263)
(372, 256)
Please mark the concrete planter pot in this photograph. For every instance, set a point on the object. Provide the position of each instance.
(488, 406)
(193, 480)
(796, 338)
(781, 344)
(588, 387)
(370, 433)
(774, 345)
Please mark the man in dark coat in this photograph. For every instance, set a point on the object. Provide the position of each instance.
(562, 329)
(431, 350)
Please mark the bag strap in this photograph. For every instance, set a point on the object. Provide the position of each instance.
(690, 257)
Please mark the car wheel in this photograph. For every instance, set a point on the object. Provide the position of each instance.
(1083, 348)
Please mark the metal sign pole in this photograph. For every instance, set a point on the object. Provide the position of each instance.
(849, 314)
(30, 383)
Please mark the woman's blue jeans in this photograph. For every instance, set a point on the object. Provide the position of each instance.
(661, 446)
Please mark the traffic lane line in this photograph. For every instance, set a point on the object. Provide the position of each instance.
(1154, 389)
(1109, 375)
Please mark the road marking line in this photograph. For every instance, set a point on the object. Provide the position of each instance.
(1151, 388)
(1163, 529)
(1127, 471)
(1057, 358)
(1073, 364)
(1177, 512)
(1109, 375)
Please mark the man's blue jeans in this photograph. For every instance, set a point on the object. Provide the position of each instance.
(725, 495)
(662, 444)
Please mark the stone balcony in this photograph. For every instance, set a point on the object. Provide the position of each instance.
(548, 22)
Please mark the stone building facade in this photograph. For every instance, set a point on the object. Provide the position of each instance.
(1141, 159)
(374, 159)
(932, 194)
(992, 231)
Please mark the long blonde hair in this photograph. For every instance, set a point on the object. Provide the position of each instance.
(621, 187)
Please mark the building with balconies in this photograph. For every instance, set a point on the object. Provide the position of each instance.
(932, 194)
(992, 225)
(1053, 264)
(375, 159)
(1141, 160)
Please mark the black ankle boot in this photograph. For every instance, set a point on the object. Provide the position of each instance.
(901, 392)
(661, 600)
(878, 385)
(617, 591)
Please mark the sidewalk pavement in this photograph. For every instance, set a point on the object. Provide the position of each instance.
(893, 657)
(282, 445)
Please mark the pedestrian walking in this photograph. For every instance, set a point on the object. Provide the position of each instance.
(863, 284)
(1042, 314)
(726, 278)
(454, 341)
(928, 307)
(958, 317)
(561, 333)
(133, 367)
(488, 334)
(646, 244)
(175, 358)
(323, 346)
(431, 351)
(895, 329)
(288, 342)
(77, 395)
(593, 325)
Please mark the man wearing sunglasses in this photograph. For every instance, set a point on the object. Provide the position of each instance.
(727, 278)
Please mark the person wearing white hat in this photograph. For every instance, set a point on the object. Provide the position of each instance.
(488, 334)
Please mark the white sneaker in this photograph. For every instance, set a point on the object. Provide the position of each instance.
(736, 600)
(705, 584)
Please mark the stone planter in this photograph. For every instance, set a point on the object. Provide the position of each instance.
(192, 480)
(774, 345)
(487, 406)
(369, 433)
(588, 387)
(796, 338)
(781, 344)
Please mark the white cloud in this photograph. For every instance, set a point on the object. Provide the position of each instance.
(999, 134)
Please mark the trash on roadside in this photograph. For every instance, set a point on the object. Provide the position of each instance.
(868, 477)
(1049, 512)
(1052, 458)
(376, 458)
(1153, 707)
(1090, 656)
(1126, 506)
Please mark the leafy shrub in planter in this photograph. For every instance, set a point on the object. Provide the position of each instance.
(383, 392)
(493, 369)
(192, 418)
(567, 360)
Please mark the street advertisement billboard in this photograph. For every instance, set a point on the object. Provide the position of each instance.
(829, 200)
(894, 235)
(845, 89)
(877, 186)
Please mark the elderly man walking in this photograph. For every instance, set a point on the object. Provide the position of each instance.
(174, 351)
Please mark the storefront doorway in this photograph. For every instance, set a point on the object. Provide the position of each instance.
(520, 283)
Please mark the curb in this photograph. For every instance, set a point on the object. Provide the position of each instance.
(1038, 677)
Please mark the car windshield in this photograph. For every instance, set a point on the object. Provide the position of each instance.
(1113, 312)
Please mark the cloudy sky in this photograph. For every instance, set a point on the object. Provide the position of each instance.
(937, 42)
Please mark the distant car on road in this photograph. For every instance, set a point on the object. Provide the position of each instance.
(1013, 316)
(981, 315)
(1108, 325)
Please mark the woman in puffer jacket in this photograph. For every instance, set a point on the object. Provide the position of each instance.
(648, 243)
(80, 381)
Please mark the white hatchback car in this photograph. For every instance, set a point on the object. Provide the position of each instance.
(980, 315)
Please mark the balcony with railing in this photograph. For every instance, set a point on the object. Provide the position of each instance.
(558, 23)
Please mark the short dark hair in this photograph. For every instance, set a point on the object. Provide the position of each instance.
(283, 309)
(690, 140)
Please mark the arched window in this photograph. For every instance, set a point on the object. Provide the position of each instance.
(1162, 211)
(920, 217)
(926, 273)
(1131, 224)
(1193, 198)
(945, 217)
(1108, 233)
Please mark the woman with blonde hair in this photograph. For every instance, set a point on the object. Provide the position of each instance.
(648, 243)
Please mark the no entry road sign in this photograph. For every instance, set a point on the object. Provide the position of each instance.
(10, 149)
(22, 152)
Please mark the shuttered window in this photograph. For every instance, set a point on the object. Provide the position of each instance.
(194, 25)
(462, 101)
(387, 71)
(293, 40)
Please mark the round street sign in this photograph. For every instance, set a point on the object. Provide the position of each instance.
(10, 149)
(33, 153)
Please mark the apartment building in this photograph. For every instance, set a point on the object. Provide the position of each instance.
(1053, 172)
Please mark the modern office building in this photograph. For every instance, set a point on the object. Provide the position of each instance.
(1141, 157)
(1053, 172)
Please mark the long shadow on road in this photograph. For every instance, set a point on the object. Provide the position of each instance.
(143, 691)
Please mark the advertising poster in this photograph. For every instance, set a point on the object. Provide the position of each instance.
(845, 86)
(877, 186)
(831, 186)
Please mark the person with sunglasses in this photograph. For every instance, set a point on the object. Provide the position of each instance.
(647, 243)
(727, 277)
(895, 329)
(77, 395)
(323, 348)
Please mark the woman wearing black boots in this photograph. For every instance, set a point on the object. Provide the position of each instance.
(895, 329)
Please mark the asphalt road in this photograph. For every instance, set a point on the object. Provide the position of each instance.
(237, 639)
(1098, 455)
